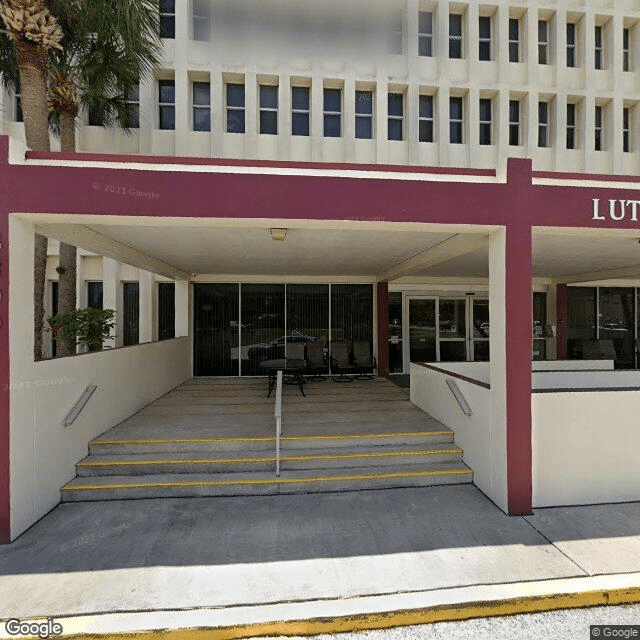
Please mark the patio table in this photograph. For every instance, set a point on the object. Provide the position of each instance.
(293, 368)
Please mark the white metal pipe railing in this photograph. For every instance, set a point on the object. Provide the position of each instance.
(278, 421)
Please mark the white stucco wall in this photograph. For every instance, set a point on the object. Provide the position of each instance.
(43, 451)
(585, 447)
(430, 392)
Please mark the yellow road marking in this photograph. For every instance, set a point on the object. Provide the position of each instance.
(214, 483)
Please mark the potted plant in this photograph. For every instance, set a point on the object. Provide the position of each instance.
(87, 328)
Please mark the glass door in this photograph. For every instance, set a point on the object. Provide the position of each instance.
(395, 333)
(452, 330)
(479, 330)
(422, 330)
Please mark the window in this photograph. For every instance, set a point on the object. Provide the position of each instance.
(396, 38)
(543, 124)
(514, 123)
(571, 44)
(167, 104)
(485, 121)
(130, 313)
(571, 125)
(132, 99)
(364, 114)
(201, 20)
(543, 42)
(514, 40)
(94, 295)
(626, 50)
(18, 115)
(626, 138)
(598, 129)
(455, 35)
(166, 310)
(455, 120)
(167, 18)
(396, 116)
(201, 106)
(300, 110)
(332, 113)
(598, 60)
(426, 118)
(484, 26)
(235, 108)
(425, 33)
(268, 109)
(94, 117)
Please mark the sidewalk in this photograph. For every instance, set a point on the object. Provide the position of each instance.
(393, 556)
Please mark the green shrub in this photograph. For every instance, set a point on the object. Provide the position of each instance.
(85, 327)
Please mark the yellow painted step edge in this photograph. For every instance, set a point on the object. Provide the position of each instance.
(339, 456)
(390, 619)
(214, 483)
(327, 437)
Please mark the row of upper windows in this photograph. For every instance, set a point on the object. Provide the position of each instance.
(426, 26)
(235, 115)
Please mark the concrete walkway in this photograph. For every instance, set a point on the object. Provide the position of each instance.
(242, 560)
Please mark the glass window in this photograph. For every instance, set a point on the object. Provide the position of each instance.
(332, 113)
(396, 116)
(426, 119)
(352, 312)
(543, 124)
(396, 361)
(514, 123)
(308, 316)
(94, 295)
(598, 128)
(571, 125)
(455, 120)
(616, 315)
(201, 20)
(571, 44)
(484, 26)
(543, 42)
(485, 121)
(626, 139)
(581, 318)
(455, 35)
(201, 106)
(364, 114)
(626, 49)
(166, 310)
(514, 40)
(539, 325)
(94, 117)
(167, 18)
(130, 313)
(300, 111)
(235, 108)
(599, 50)
(268, 109)
(425, 33)
(132, 98)
(167, 104)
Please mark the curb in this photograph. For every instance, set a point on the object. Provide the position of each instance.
(354, 614)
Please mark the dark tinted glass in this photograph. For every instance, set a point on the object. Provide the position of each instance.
(269, 122)
(94, 295)
(395, 129)
(268, 97)
(166, 91)
(364, 102)
(396, 104)
(201, 93)
(333, 100)
(166, 310)
(455, 108)
(364, 127)
(352, 312)
(581, 318)
(300, 98)
(235, 95)
(130, 313)
(484, 26)
(514, 29)
(425, 22)
(300, 124)
(426, 106)
(455, 24)
(485, 109)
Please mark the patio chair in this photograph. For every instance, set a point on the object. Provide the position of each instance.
(316, 361)
(295, 351)
(364, 361)
(340, 361)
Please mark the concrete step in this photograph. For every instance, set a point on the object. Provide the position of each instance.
(264, 483)
(199, 442)
(291, 459)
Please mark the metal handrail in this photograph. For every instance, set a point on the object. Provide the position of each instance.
(278, 421)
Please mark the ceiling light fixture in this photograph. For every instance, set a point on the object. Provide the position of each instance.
(278, 234)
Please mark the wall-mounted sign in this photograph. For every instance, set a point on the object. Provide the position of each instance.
(616, 210)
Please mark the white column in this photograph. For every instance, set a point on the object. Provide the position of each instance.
(112, 297)
(81, 286)
(381, 114)
(284, 116)
(251, 114)
(183, 111)
(147, 294)
(317, 116)
(349, 117)
(182, 308)
(498, 367)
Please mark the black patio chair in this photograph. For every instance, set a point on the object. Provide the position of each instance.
(340, 362)
(316, 361)
(363, 360)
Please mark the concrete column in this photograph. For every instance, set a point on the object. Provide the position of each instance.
(383, 328)
(284, 116)
(472, 116)
(251, 115)
(349, 117)
(613, 138)
(147, 294)
(380, 115)
(218, 123)
(148, 113)
(587, 122)
(182, 308)
(184, 122)
(5, 379)
(441, 113)
(561, 321)
(317, 116)
(112, 298)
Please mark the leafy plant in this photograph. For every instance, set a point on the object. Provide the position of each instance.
(84, 327)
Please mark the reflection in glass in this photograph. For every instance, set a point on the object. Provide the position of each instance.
(453, 319)
(422, 330)
(396, 364)
(539, 325)
(581, 318)
(308, 314)
(616, 322)
(453, 351)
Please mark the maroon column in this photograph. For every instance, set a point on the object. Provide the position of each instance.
(383, 328)
(5, 504)
(561, 321)
(519, 305)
